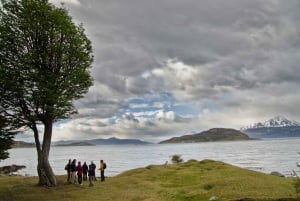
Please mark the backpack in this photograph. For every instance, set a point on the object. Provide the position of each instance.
(104, 166)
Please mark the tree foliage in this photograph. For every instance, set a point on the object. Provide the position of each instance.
(43, 58)
(44, 62)
(6, 137)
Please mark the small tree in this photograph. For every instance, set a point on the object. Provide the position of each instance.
(176, 159)
(44, 61)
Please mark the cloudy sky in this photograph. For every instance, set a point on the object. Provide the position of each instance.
(165, 68)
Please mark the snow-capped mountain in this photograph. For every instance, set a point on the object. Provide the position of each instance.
(273, 128)
(278, 121)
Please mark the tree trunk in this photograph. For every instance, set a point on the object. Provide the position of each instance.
(46, 175)
(45, 172)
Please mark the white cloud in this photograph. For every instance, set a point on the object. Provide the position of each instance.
(138, 105)
(146, 114)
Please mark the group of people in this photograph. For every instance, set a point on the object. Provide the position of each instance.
(84, 171)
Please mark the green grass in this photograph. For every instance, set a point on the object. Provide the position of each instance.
(190, 181)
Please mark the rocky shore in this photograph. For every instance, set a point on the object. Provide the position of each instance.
(10, 169)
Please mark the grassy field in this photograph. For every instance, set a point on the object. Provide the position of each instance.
(189, 181)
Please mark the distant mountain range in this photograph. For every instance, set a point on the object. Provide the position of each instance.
(100, 141)
(214, 134)
(273, 128)
(109, 141)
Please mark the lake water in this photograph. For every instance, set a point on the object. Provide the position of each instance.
(266, 155)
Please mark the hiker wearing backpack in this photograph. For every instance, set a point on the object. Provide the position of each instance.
(102, 168)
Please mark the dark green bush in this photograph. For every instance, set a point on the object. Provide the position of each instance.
(176, 159)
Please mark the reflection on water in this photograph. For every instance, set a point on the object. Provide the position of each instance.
(261, 155)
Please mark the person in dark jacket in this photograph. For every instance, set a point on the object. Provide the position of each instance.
(94, 170)
(73, 171)
(85, 169)
(68, 169)
(79, 172)
(91, 173)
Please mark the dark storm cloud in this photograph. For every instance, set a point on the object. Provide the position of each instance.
(227, 56)
(133, 36)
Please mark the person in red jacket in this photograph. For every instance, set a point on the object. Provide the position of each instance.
(79, 172)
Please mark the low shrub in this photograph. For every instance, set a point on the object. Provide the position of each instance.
(176, 159)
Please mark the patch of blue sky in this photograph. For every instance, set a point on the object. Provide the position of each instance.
(149, 105)
(186, 109)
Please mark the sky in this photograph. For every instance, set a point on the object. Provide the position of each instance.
(166, 68)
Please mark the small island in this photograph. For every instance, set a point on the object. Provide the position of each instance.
(22, 144)
(212, 135)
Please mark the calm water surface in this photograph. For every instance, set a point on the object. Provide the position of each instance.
(261, 155)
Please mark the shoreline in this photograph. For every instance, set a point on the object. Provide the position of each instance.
(274, 173)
